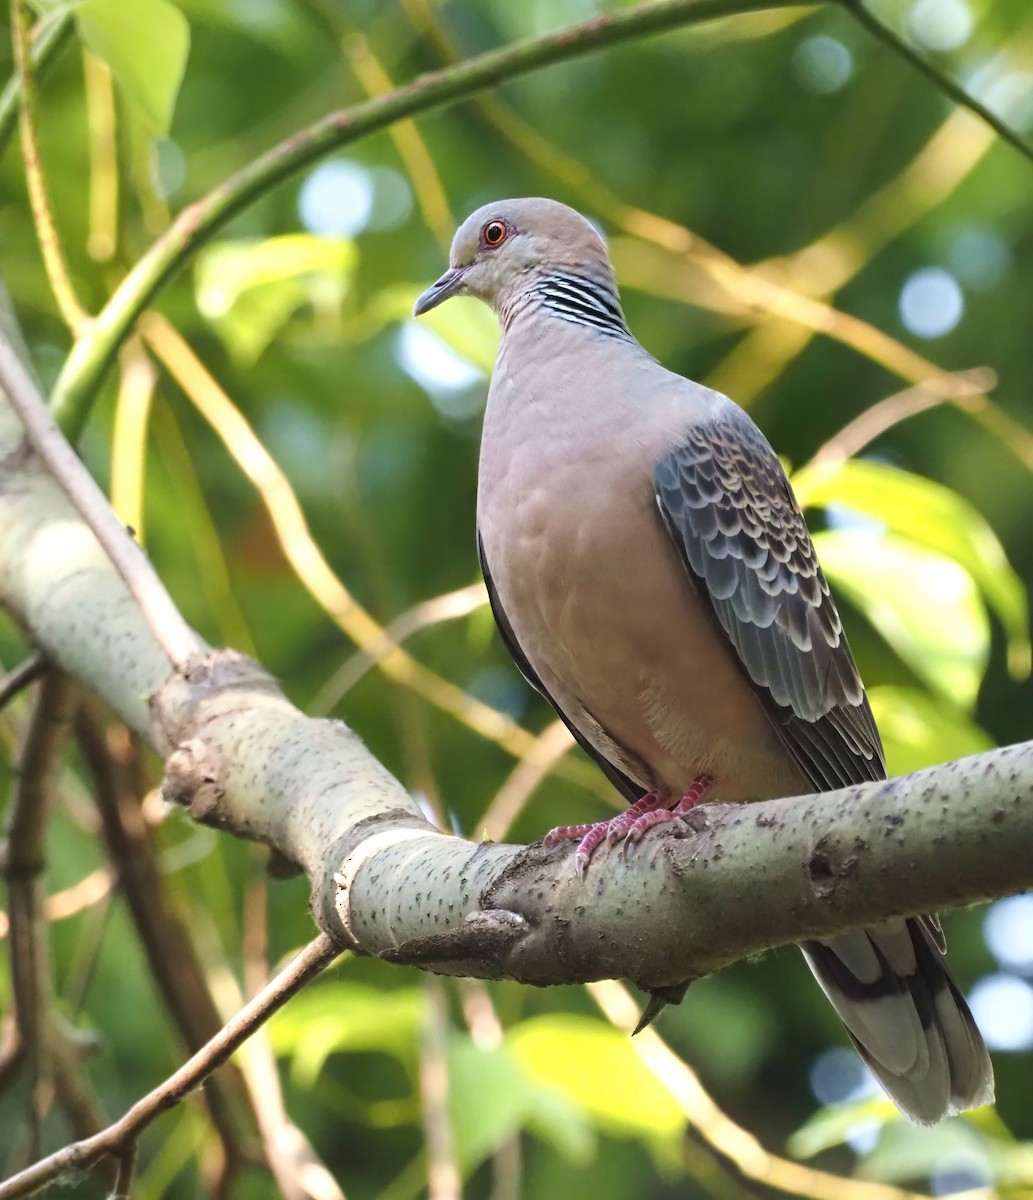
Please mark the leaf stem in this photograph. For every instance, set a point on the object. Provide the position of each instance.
(47, 37)
(72, 312)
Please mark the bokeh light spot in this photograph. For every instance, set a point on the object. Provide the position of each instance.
(1008, 929)
(336, 199)
(931, 303)
(392, 198)
(940, 25)
(838, 1076)
(960, 1171)
(446, 377)
(1003, 1008)
(822, 65)
(979, 257)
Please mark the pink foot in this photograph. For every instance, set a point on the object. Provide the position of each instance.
(630, 826)
(695, 792)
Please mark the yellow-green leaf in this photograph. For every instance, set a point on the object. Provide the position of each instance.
(334, 1017)
(832, 1125)
(492, 1096)
(249, 289)
(937, 518)
(145, 43)
(596, 1067)
(925, 605)
(918, 731)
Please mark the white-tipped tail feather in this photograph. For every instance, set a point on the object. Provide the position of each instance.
(906, 1016)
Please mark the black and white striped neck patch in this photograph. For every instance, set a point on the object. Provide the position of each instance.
(581, 300)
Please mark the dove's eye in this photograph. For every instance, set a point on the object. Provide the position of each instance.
(494, 233)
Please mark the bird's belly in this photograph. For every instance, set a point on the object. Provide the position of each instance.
(608, 618)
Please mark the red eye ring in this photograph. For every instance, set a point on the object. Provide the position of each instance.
(494, 233)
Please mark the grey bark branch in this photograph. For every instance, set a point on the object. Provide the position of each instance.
(384, 881)
(171, 631)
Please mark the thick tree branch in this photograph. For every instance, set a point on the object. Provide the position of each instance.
(241, 757)
(171, 631)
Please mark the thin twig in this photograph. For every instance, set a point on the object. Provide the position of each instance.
(163, 937)
(412, 149)
(299, 1172)
(72, 312)
(443, 1179)
(891, 410)
(47, 36)
(94, 350)
(137, 380)
(23, 865)
(126, 1170)
(79, 1156)
(942, 82)
(173, 634)
(70, 901)
(449, 606)
(737, 1145)
(72, 1090)
(20, 677)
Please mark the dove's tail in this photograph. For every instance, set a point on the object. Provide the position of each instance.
(906, 1016)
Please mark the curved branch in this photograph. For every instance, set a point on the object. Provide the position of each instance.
(94, 350)
(176, 638)
(240, 756)
(940, 80)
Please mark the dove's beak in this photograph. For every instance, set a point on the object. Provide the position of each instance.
(450, 284)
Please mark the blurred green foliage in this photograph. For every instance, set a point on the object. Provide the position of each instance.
(788, 139)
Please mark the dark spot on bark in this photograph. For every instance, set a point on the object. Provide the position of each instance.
(826, 867)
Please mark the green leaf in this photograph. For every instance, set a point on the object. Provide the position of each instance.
(469, 328)
(596, 1067)
(249, 289)
(917, 731)
(925, 605)
(906, 1152)
(492, 1096)
(465, 325)
(937, 518)
(335, 1017)
(832, 1125)
(145, 43)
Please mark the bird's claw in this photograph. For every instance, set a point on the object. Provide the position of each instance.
(629, 827)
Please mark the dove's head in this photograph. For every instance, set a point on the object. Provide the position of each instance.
(503, 247)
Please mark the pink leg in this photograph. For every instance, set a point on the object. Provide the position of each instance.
(590, 837)
(695, 792)
(632, 824)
